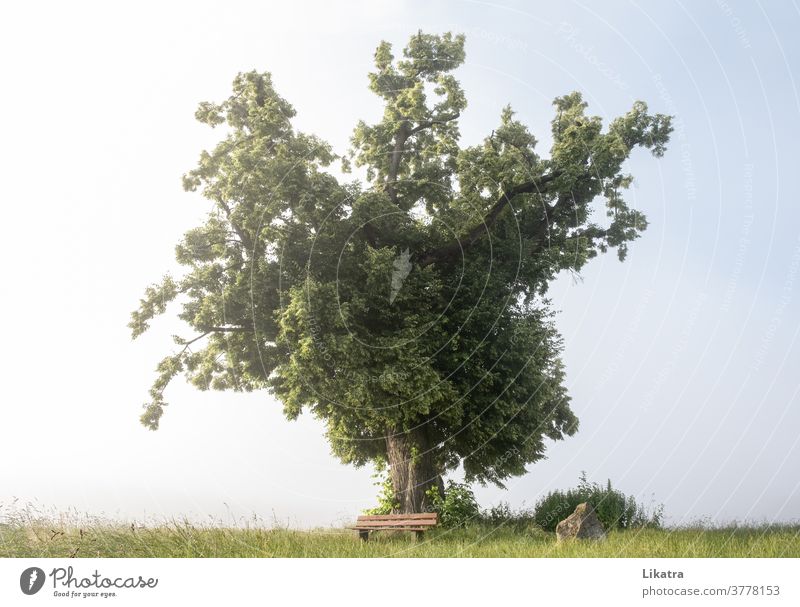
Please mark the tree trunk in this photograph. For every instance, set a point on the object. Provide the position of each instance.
(412, 469)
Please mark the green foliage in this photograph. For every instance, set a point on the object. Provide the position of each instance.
(614, 509)
(457, 508)
(387, 502)
(503, 515)
(287, 283)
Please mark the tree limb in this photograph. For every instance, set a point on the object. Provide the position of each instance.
(394, 162)
(402, 135)
(206, 331)
(371, 235)
(227, 330)
(429, 123)
(248, 244)
(474, 234)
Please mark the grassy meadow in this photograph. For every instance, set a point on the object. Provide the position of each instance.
(41, 538)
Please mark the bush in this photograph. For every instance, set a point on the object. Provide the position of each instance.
(614, 509)
(457, 508)
(503, 515)
(386, 499)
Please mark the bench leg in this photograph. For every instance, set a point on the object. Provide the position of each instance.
(363, 535)
(420, 535)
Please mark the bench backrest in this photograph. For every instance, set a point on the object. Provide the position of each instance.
(389, 521)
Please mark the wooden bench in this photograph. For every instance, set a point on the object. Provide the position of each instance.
(419, 523)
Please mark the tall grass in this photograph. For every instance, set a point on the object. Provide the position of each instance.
(29, 534)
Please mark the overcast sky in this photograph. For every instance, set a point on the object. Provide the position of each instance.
(682, 362)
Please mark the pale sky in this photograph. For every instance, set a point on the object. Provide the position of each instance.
(682, 362)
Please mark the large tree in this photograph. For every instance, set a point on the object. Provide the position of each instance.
(407, 311)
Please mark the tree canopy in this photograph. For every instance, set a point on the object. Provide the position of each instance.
(407, 310)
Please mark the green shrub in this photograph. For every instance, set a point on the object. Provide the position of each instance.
(614, 509)
(457, 508)
(502, 515)
(386, 499)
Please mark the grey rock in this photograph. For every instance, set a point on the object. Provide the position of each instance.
(581, 524)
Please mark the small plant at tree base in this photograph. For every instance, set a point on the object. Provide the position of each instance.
(614, 509)
(457, 508)
(387, 503)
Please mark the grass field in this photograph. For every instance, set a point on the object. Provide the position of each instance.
(43, 539)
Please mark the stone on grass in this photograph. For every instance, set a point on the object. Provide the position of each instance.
(581, 524)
